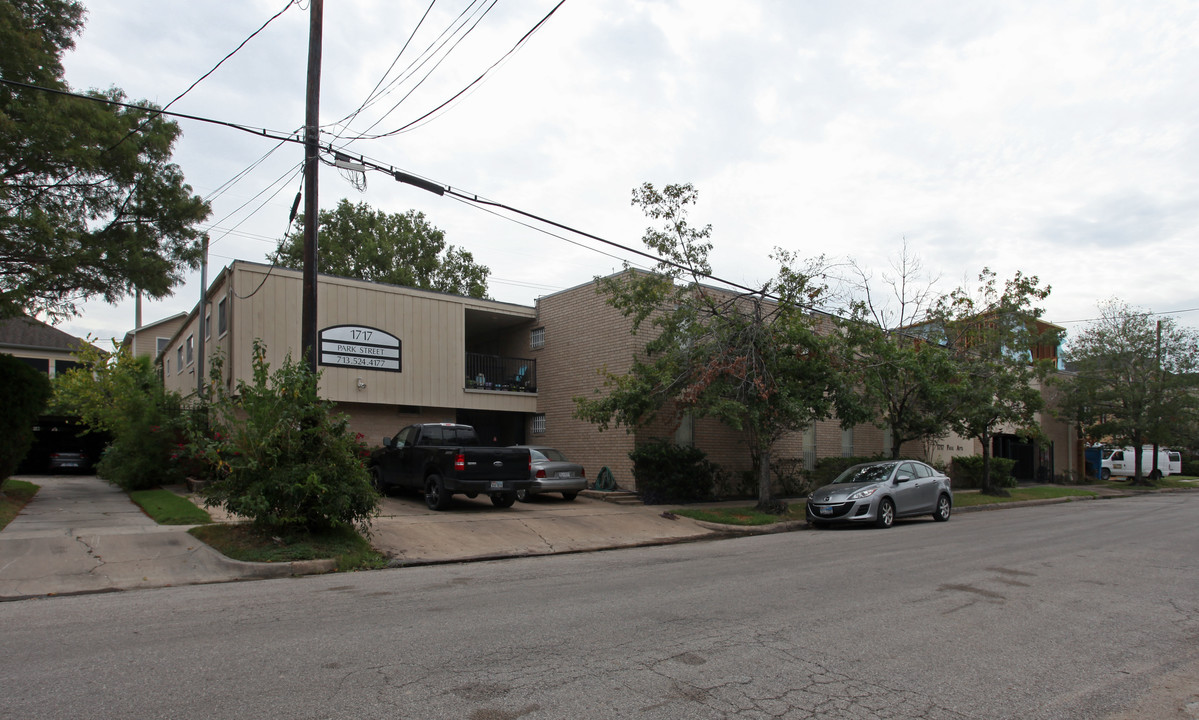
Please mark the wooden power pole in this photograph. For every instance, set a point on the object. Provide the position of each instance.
(308, 334)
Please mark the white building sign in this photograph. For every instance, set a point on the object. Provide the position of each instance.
(358, 347)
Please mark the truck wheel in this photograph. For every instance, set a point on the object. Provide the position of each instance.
(1105, 474)
(1155, 475)
(377, 481)
(504, 499)
(435, 495)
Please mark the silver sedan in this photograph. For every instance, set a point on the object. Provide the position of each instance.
(879, 492)
(552, 472)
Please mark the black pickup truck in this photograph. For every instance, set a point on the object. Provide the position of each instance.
(444, 459)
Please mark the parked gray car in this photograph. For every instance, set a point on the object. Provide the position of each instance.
(552, 472)
(880, 492)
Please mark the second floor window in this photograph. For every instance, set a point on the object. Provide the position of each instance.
(537, 338)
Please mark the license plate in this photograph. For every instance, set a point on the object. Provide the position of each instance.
(826, 511)
(565, 475)
(497, 484)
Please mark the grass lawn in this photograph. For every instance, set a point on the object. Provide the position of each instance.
(967, 499)
(167, 508)
(254, 544)
(13, 496)
(1174, 481)
(740, 515)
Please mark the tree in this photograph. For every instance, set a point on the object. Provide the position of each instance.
(90, 204)
(991, 335)
(397, 248)
(759, 364)
(23, 395)
(122, 395)
(1133, 379)
(906, 382)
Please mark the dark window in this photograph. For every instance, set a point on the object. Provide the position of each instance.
(161, 344)
(62, 366)
(41, 364)
(222, 319)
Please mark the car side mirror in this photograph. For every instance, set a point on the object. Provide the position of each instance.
(902, 479)
(388, 442)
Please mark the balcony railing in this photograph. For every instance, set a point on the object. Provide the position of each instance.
(495, 372)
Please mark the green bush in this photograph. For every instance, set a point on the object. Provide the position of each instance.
(23, 395)
(280, 457)
(967, 472)
(1190, 468)
(122, 395)
(669, 473)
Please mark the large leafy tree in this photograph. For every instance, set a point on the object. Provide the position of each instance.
(1133, 379)
(90, 204)
(992, 334)
(757, 362)
(907, 384)
(397, 248)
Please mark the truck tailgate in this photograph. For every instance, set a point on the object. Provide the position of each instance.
(494, 463)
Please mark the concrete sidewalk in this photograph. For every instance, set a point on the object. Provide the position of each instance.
(80, 534)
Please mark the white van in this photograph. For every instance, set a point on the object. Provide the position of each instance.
(1121, 462)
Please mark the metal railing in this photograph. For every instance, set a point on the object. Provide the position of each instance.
(495, 372)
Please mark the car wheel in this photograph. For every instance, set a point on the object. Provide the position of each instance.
(886, 514)
(523, 495)
(944, 507)
(568, 496)
(377, 481)
(1105, 474)
(503, 500)
(435, 495)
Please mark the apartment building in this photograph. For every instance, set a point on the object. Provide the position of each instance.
(391, 356)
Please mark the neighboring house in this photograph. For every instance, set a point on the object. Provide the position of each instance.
(43, 347)
(391, 356)
(150, 340)
(49, 350)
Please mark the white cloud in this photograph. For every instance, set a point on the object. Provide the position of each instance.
(1055, 139)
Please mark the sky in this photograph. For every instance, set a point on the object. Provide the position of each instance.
(1058, 139)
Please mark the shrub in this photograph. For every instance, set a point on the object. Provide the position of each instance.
(1190, 468)
(23, 395)
(669, 473)
(280, 457)
(967, 472)
(122, 395)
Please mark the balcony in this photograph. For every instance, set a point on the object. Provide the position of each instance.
(498, 373)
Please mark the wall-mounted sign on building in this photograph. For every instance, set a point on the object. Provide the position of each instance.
(359, 347)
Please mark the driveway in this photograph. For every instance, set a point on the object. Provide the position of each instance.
(410, 533)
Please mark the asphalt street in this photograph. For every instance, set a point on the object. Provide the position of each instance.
(1078, 610)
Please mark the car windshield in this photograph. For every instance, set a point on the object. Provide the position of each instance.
(866, 473)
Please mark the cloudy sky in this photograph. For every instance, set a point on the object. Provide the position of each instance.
(1054, 138)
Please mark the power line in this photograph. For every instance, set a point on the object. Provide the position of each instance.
(420, 120)
(428, 55)
(261, 132)
(371, 96)
(1144, 314)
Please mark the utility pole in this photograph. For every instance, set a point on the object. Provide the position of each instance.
(203, 317)
(311, 170)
